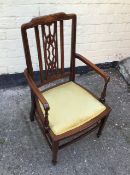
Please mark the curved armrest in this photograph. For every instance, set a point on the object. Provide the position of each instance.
(36, 91)
(99, 71)
(38, 94)
(93, 66)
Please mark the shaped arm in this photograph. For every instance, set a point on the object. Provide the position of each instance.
(38, 94)
(99, 71)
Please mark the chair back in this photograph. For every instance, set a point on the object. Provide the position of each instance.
(50, 61)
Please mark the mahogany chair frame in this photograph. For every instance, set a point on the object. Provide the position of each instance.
(53, 72)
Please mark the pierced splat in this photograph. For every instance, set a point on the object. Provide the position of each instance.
(48, 29)
(49, 36)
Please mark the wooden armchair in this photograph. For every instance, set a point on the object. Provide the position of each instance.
(67, 109)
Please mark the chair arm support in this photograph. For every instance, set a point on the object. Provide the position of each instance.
(38, 94)
(99, 71)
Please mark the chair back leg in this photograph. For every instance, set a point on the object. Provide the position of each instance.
(33, 106)
(55, 147)
(102, 124)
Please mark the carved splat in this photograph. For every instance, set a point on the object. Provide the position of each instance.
(49, 35)
(46, 26)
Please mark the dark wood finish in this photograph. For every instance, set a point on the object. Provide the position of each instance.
(73, 47)
(102, 124)
(50, 42)
(48, 25)
(33, 106)
(99, 71)
(39, 52)
(55, 147)
(62, 45)
(79, 137)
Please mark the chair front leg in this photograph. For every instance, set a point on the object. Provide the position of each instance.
(55, 147)
(33, 106)
(102, 124)
(103, 94)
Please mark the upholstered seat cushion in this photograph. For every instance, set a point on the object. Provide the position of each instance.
(70, 107)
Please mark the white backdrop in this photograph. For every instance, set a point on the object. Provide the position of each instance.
(103, 32)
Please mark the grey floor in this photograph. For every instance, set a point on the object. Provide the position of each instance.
(23, 149)
(124, 68)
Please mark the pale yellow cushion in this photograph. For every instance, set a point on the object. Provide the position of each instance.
(70, 107)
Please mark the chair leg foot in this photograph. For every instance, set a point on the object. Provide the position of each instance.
(54, 162)
(33, 106)
(55, 147)
(102, 124)
(98, 135)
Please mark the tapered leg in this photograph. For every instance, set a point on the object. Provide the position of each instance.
(33, 107)
(102, 124)
(54, 152)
